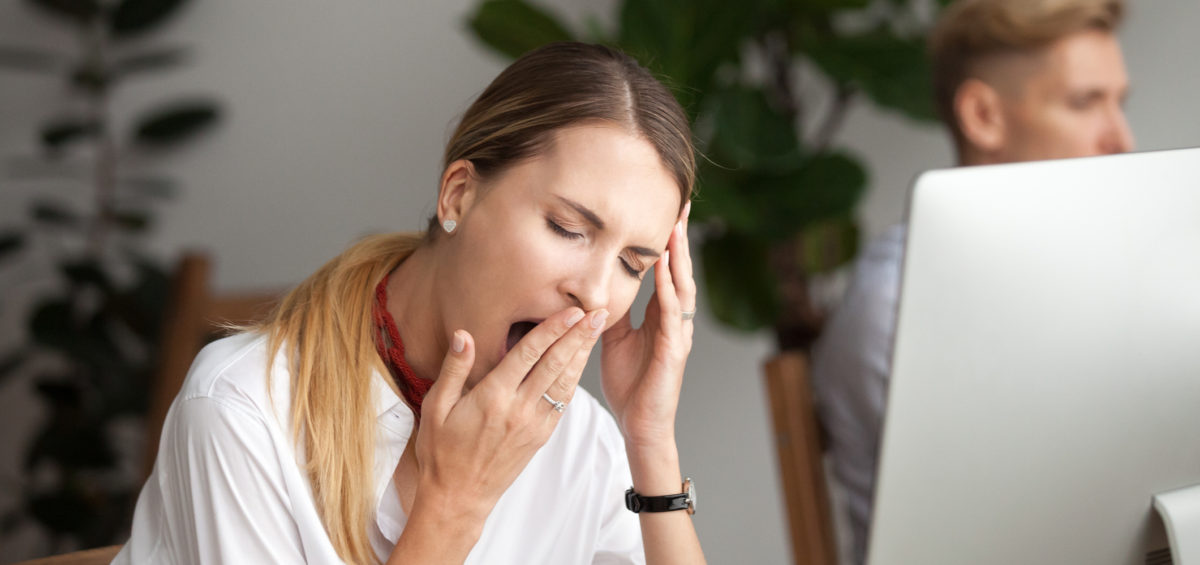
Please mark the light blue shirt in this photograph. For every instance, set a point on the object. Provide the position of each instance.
(851, 368)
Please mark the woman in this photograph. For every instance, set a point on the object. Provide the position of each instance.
(415, 401)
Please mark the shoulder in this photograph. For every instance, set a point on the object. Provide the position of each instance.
(884, 254)
(232, 372)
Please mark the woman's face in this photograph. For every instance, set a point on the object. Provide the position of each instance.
(579, 225)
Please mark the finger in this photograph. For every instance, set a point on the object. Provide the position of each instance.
(518, 362)
(564, 387)
(620, 329)
(670, 316)
(681, 264)
(558, 358)
(447, 390)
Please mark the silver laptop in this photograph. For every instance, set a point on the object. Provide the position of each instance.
(1046, 370)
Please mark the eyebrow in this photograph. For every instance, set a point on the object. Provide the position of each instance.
(595, 220)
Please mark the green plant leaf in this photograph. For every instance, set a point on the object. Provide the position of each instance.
(52, 323)
(825, 186)
(11, 241)
(78, 12)
(892, 71)
(52, 213)
(513, 27)
(135, 221)
(91, 78)
(174, 123)
(30, 59)
(831, 5)
(140, 306)
(157, 60)
(58, 134)
(830, 244)
(740, 289)
(720, 201)
(751, 134)
(685, 42)
(86, 272)
(136, 17)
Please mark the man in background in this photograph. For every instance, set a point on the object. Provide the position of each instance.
(1014, 80)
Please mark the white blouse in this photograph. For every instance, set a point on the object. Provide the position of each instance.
(228, 487)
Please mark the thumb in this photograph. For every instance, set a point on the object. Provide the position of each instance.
(444, 393)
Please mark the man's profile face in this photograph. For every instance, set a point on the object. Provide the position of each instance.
(1069, 101)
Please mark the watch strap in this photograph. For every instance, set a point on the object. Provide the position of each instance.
(637, 503)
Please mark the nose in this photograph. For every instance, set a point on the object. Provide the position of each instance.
(1118, 137)
(589, 288)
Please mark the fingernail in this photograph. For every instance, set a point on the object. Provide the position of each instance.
(459, 342)
(666, 259)
(687, 209)
(679, 228)
(574, 318)
(598, 322)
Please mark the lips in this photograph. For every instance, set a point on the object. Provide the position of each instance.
(518, 331)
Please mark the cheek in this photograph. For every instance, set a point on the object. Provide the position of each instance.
(624, 293)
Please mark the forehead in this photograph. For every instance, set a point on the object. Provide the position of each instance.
(613, 172)
(1085, 59)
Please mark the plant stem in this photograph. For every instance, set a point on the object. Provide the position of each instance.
(104, 171)
(782, 82)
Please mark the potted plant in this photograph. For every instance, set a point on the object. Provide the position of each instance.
(93, 336)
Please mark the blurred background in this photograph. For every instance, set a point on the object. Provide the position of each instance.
(271, 135)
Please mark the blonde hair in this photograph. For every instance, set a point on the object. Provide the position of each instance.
(326, 322)
(971, 31)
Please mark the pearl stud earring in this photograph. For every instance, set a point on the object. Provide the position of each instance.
(449, 225)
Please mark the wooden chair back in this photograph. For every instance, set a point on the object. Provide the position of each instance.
(195, 316)
(801, 459)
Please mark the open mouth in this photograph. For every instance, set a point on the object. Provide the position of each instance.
(518, 331)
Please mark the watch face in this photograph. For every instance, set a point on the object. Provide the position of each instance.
(691, 495)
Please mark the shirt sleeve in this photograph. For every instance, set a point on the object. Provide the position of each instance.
(222, 488)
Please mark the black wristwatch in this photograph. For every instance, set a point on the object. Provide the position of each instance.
(685, 500)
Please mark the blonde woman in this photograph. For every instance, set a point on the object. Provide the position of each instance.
(415, 400)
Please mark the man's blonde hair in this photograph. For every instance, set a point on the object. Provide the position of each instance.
(971, 31)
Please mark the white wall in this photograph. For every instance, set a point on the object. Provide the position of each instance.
(336, 115)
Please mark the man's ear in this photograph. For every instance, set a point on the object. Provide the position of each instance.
(458, 191)
(977, 107)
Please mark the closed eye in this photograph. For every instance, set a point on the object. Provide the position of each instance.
(554, 227)
(633, 272)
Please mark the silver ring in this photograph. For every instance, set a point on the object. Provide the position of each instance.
(688, 314)
(559, 406)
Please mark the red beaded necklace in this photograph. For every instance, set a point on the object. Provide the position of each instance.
(391, 350)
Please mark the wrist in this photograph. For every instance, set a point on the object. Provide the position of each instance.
(655, 468)
(456, 518)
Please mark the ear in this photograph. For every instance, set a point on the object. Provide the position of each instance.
(977, 107)
(458, 191)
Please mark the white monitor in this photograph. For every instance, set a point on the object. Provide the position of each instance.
(1046, 369)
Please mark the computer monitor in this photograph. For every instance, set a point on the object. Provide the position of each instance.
(1046, 368)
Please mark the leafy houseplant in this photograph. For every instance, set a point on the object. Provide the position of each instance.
(776, 197)
(92, 340)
